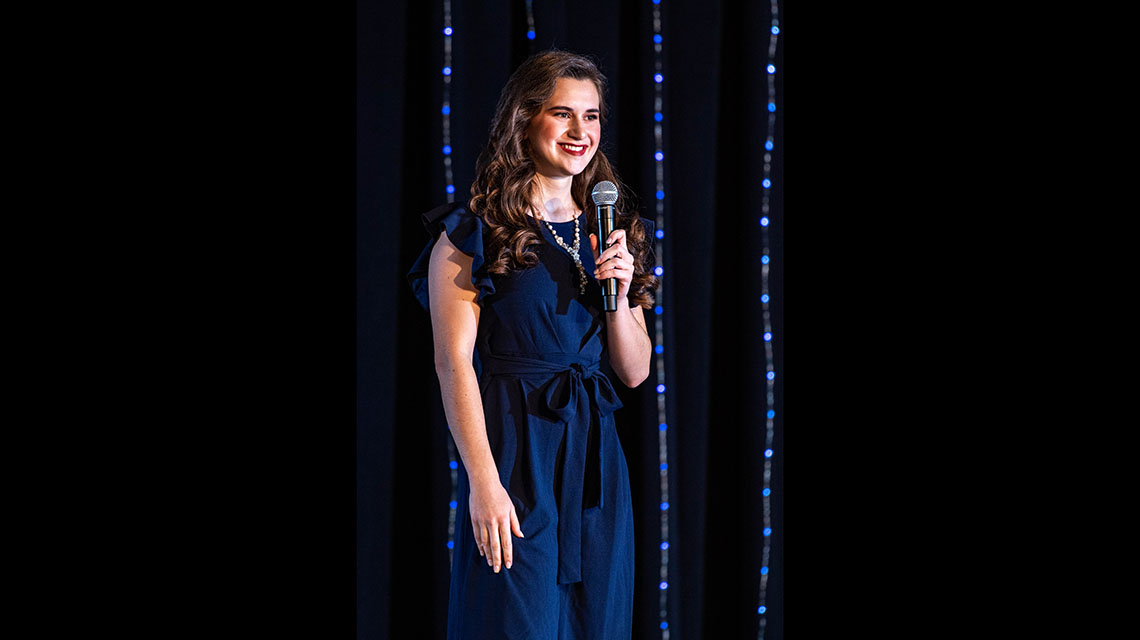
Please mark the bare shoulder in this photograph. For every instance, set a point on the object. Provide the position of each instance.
(450, 269)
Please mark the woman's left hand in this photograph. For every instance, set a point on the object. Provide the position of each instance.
(614, 262)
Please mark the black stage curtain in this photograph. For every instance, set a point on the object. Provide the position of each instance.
(715, 53)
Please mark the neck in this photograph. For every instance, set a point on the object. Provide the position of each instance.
(553, 199)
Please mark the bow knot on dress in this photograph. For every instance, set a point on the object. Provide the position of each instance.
(576, 388)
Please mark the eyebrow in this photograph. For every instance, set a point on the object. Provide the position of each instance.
(569, 109)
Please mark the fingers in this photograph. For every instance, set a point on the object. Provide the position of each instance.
(615, 262)
(617, 236)
(615, 244)
(496, 555)
(623, 274)
(505, 537)
(480, 538)
(492, 525)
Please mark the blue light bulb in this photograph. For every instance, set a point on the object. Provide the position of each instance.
(658, 116)
(663, 586)
(767, 531)
(772, 106)
(764, 221)
(664, 506)
(657, 38)
(446, 149)
(451, 188)
(453, 464)
(660, 388)
(453, 504)
(657, 271)
(768, 145)
(771, 375)
(764, 298)
(658, 310)
(771, 68)
(450, 544)
(659, 156)
(775, 30)
(664, 546)
(761, 609)
(767, 492)
(763, 571)
(660, 194)
(771, 412)
(767, 453)
(659, 349)
(446, 109)
(447, 31)
(660, 233)
(658, 78)
(663, 426)
(764, 259)
(767, 183)
(530, 35)
(447, 71)
(664, 466)
(768, 338)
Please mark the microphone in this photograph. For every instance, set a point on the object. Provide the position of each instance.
(605, 194)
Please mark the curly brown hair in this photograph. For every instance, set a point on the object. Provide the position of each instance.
(503, 190)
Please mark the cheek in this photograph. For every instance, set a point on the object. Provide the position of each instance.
(542, 131)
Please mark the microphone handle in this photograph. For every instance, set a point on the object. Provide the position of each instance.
(606, 226)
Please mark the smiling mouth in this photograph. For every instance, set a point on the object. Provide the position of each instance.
(573, 149)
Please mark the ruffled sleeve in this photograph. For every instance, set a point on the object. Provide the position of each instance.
(465, 230)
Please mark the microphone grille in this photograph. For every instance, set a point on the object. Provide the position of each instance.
(605, 192)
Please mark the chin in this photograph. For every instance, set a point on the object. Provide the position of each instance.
(582, 167)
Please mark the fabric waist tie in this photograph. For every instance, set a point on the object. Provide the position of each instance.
(574, 387)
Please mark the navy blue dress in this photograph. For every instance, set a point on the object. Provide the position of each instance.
(549, 415)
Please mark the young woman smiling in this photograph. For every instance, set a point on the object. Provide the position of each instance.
(520, 343)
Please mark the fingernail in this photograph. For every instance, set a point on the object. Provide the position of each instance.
(508, 565)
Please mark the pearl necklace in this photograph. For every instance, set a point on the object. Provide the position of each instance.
(573, 251)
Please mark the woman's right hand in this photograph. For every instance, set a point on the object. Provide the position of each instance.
(493, 519)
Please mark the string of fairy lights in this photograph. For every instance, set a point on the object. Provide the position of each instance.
(448, 177)
(449, 188)
(766, 301)
(529, 20)
(658, 323)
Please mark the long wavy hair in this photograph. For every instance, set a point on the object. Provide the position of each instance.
(504, 187)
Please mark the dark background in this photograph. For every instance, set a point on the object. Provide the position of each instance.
(895, 145)
(715, 126)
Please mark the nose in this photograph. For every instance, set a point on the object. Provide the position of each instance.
(575, 128)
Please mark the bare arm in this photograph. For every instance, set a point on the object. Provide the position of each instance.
(629, 343)
(627, 338)
(455, 324)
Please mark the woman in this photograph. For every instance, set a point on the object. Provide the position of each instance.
(509, 280)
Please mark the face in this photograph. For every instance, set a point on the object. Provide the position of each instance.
(564, 136)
